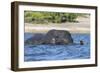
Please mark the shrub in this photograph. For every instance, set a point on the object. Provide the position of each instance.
(49, 17)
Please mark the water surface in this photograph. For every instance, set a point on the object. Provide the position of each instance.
(58, 52)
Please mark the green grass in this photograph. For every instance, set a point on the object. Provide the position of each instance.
(50, 17)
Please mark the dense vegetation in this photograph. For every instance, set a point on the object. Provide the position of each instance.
(49, 17)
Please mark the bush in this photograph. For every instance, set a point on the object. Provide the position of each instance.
(49, 17)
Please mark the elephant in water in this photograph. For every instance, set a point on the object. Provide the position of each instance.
(58, 37)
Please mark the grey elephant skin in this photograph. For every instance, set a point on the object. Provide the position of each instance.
(57, 37)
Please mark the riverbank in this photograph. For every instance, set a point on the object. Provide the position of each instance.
(82, 26)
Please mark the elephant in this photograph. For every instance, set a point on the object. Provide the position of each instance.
(57, 37)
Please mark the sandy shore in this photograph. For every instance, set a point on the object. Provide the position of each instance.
(83, 26)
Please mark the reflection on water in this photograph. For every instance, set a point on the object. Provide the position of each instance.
(58, 52)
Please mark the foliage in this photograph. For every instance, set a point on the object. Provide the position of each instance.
(49, 17)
